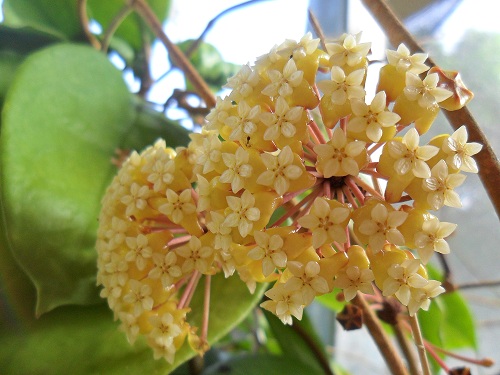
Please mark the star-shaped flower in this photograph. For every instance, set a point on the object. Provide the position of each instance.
(460, 152)
(425, 91)
(370, 119)
(280, 170)
(410, 156)
(337, 157)
(431, 238)
(270, 250)
(440, 187)
(241, 213)
(341, 87)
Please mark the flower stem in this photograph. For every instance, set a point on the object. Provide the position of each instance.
(419, 341)
(387, 349)
(206, 309)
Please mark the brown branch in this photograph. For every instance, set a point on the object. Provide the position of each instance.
(405, 346)
(387, 349)
(176, 55)
(84, 21)
(489, 166)
(317, 28)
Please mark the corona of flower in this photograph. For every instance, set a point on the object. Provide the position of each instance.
(284, 185)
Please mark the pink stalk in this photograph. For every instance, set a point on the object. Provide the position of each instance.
(189, 290)
(206, 309)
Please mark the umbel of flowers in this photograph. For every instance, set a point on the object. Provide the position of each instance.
(295, 180)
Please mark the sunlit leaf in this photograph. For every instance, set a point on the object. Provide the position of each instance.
(86, 340)
(55, 17)
(66, 113)
(449, 321)
(330, 300)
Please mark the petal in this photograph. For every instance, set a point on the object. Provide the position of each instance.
(321, 208)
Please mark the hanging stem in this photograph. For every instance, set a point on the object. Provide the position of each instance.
(419, 341)
(387, 349)
(113, 25)
(489, 166)
(176, 55)
(84, 21)
(405, 346)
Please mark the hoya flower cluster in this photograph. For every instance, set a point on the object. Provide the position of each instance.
(297, 180)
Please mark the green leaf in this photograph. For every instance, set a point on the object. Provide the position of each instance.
(56, 17)
(330, 301)
(65, 114)
(17, 294)
(458, 330)
(209, 63)
(88, 341)
(258, 364)
(23, 40)
(132, 28)
(449, 322)
(296, 345)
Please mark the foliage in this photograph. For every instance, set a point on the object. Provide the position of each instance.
(67, 120)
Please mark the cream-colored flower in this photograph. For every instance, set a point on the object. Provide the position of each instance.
(324, 222)
(196, 256)
(403, 277)
(336, 158)
(238, 169)
(298, 50)
(139, 297)
(280, 170)
(342, 87)
(222, 232)
(136, 199)
(371, 118)
(460, 152)
(354, 279)
(165, 328)
(421, 297)
(139, 251)
(348, 50)
(178, 205)
(165, 269)
(431, 238)
(283, 83)
(270, 250)
(306, 280)
(282, 122)
(241, 213)
(245, 123)
(425, 91)
(284, 303)
(404, 62)
(383, 226)
(410, 156)
(242, 83)
(440, 187)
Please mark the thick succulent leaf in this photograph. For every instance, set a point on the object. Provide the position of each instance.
(86, 340)
(65, 114)
(55, 17)
(17, 294)
(209, 63)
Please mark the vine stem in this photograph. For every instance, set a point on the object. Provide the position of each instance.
(419, 342)
(386, 347)
(84, 21)
(489, 166)
(176, 55)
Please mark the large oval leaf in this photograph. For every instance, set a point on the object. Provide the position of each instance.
(65, 114)
(87, 341)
